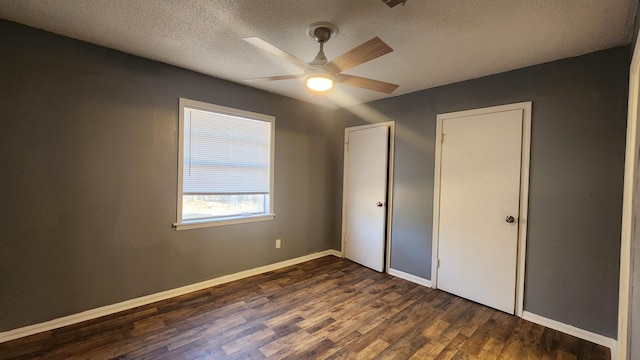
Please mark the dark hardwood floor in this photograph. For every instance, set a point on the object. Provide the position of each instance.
(329, 308)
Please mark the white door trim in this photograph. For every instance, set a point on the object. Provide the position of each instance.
(524, 191)
(392, 133)
(628, 208)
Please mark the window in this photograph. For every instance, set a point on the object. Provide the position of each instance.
(225, 165)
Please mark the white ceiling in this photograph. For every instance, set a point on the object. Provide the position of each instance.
(435, 42)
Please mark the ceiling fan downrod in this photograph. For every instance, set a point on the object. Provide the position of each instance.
(321, 35)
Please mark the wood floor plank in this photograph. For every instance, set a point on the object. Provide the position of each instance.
(318, 350)
(452, 347)
(491, 349)
(372, 350)
(328, 308)
(523, 342)
(410, 342)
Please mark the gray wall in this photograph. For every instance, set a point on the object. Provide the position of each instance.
(88, 152)
(577, 161)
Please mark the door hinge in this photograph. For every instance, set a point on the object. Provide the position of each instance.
(438, 263)
(442, 138)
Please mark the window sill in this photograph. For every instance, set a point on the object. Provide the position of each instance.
(227, 221)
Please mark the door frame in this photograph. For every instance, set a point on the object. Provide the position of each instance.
(629, 207)
(524, 191)
(392, 131)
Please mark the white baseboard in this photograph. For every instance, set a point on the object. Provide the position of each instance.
(414, 279)
(148, 299)
(574, 331)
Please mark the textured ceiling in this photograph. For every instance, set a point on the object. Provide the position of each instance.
(435, 42)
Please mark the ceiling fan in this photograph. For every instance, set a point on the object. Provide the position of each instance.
(320, 74)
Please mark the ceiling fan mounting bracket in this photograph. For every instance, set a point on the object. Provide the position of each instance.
(322, 31)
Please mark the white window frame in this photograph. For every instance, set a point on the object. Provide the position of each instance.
(201, 223)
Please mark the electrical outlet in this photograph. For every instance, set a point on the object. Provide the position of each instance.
(278, 243)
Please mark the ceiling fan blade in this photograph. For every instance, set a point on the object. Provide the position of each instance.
(392, 3)
(367, 51)
(273, 50)
(368, 84)
(273, 78)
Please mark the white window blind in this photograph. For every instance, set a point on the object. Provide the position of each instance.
(225, 154)
(225, 166)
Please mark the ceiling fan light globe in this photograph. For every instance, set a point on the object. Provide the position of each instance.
(319, 83)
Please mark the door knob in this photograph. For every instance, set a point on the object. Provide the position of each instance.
(510, 219)
(379, 204)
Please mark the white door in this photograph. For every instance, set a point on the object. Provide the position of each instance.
(479, 206)
(365, 217)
